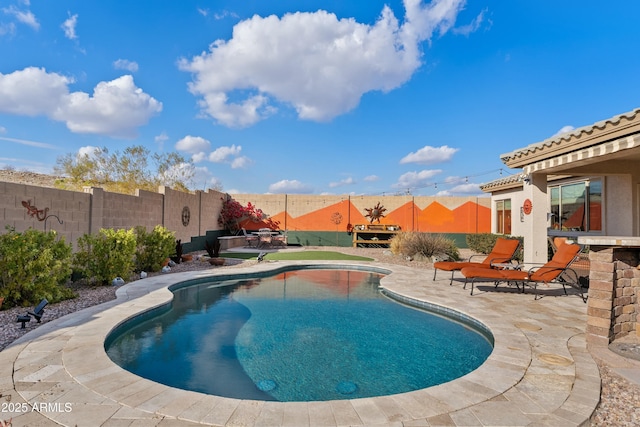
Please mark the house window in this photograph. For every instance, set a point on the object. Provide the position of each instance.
(577, 206)
(503, 216)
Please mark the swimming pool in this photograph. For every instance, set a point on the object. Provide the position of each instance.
(298, 335)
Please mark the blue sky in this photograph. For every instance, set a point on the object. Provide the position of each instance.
(306, 96)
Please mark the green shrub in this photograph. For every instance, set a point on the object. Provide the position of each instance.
(104, 256)
(425, 244)
(484, 242)
(33, 265)
(153, 248)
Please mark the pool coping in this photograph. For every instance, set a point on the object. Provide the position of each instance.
(539, 372)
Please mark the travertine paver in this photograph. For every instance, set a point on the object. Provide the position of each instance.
(540, 372)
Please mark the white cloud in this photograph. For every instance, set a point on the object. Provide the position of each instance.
(564, 129)
(27, 142)
(467, 188)
(69, 27)
(428, 155)
(24, 16)
(7, 28)
(3, 129)
(32, 92)
(342, 182)
(241, 162)
(88, 151)
(125, 64)
(199, 157)
(161, 139)
(316, 63)
(290, 186)
(116, 108)
(416, 179)
(371, 178)
(199, 148)
(472, 27)
(193, 144)
(222, 154)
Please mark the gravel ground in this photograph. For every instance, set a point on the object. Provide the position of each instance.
(620, 399)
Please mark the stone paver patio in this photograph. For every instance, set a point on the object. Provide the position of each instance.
(540, 372)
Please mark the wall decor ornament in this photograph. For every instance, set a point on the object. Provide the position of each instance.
(375, 213)
(34, 212)
(186, 216)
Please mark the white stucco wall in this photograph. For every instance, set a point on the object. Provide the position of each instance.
(618, 209)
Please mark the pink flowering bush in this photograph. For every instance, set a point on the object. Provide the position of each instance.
(233, 214)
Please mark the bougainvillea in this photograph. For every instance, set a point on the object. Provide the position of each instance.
(233, 213)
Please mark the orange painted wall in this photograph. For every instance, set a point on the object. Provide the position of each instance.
(444, 215)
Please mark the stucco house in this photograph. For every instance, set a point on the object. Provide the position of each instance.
(585, 182)
(584, 185)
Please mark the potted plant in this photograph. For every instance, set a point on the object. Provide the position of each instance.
(178, 256)
(214, 252)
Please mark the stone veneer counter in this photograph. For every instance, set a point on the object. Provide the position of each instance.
(622, 241)
(614, 287)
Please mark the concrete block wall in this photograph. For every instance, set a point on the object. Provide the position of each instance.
(125, 211)
(210, 207)
(70, 207)
(181, 213)
(194, 216)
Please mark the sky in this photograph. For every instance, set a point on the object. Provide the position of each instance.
(312, 97)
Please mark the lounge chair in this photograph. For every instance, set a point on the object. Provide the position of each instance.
(264, 238)
(503, 252)
(279, 239)
(249, 239)
(557, 270)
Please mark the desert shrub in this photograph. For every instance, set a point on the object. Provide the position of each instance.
(484, 242)
(424, 244)
(33, 265)
(398, 241)
(153, 248)
(104, 256)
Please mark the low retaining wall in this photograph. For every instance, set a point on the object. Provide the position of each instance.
(228, 242)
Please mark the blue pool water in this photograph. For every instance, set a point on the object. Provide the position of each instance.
(301, 335)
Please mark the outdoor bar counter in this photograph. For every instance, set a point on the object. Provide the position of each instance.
(614, 287)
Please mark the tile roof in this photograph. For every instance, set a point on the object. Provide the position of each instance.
(572, 135)
(504, 182)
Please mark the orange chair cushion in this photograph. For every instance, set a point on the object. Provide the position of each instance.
(547, 273)
(503, 251)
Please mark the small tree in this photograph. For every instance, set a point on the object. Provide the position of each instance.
(124, 172)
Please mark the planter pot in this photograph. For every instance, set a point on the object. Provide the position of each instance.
(216, 261)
